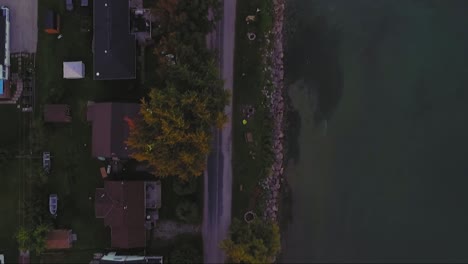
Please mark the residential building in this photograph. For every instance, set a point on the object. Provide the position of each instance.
(110, 128)
(4, 51)
(129, 208)
(114, 49)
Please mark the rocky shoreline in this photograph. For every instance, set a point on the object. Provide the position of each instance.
(277, 108)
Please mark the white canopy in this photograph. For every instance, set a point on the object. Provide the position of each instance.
(73, 70)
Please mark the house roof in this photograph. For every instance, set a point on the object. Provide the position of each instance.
(114, 46)
(122, 205)
(110, 130)
(57, 113)
(59, 239)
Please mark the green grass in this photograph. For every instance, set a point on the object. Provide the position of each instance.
(75, 174)
(9, 210)
(247, 91)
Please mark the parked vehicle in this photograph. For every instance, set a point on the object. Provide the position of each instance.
(53, 200)
(46, 161)
(69, 5)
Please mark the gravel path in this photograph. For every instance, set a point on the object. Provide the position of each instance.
(218, 177)
(166, 229)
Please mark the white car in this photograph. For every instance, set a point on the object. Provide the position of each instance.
(53, 200)
(69, 5)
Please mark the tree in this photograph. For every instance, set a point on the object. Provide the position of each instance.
(23, 239)
(186, 254)
(39, 238)
(173, 135)
(185, 187)
(256, 242)
(188, 212)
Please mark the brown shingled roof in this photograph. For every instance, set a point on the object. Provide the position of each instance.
(59, 239)
(122, 205)
(57, 113)
(110, 130)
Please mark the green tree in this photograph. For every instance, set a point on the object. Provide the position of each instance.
(186, 254)
(188, 212)
(39, 238)
(23, 238)
(256, 242)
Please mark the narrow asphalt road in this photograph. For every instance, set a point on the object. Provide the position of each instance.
(218, 176)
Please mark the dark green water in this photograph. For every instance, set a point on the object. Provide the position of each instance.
(380, 170)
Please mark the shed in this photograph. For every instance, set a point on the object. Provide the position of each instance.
(57, 113)
(52, 22)
(59, 239)
(73, 70)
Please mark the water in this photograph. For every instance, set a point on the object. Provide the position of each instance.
(380, 157)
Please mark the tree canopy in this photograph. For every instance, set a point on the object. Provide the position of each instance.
(256, 242)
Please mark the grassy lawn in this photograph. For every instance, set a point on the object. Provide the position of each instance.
(249, 79)
(75, 174)
(9, 209)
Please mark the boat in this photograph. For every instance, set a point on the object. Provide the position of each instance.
(53, 204)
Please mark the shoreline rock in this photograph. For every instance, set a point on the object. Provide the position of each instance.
(277, 108)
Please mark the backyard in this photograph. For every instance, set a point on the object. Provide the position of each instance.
(250, 159)
(75, 174)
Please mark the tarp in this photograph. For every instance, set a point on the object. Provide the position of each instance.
(73, 70)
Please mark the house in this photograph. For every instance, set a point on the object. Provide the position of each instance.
(52, 22)
(114, 52)
(59, 239)
(5, 42)
(110, 129)
(73, 70)
(57, 113)
(128, 208)
(114, 257)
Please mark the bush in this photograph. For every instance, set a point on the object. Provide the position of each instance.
(188, 212)
(186, 254)
(184, 187)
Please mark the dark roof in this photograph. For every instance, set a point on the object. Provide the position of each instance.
(110, 130)
(51, 20)
(122, 205)
(2, 37)
(114, 46)
(57, 113)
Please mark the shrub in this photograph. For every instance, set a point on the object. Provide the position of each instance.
(188, 212)
(186, 254)
(184, 187)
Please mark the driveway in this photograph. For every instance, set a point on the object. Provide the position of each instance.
(218, 176)
(23, 25)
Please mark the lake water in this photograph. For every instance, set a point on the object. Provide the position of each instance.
(380, 149)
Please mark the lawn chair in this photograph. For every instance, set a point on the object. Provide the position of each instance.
(248, 137)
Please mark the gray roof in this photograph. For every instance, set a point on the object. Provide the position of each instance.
(114, 45)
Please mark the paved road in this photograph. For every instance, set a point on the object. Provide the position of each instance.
(218, 176)
(23, 25)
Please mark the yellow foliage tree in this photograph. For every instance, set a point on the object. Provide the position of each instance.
(173, 133)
